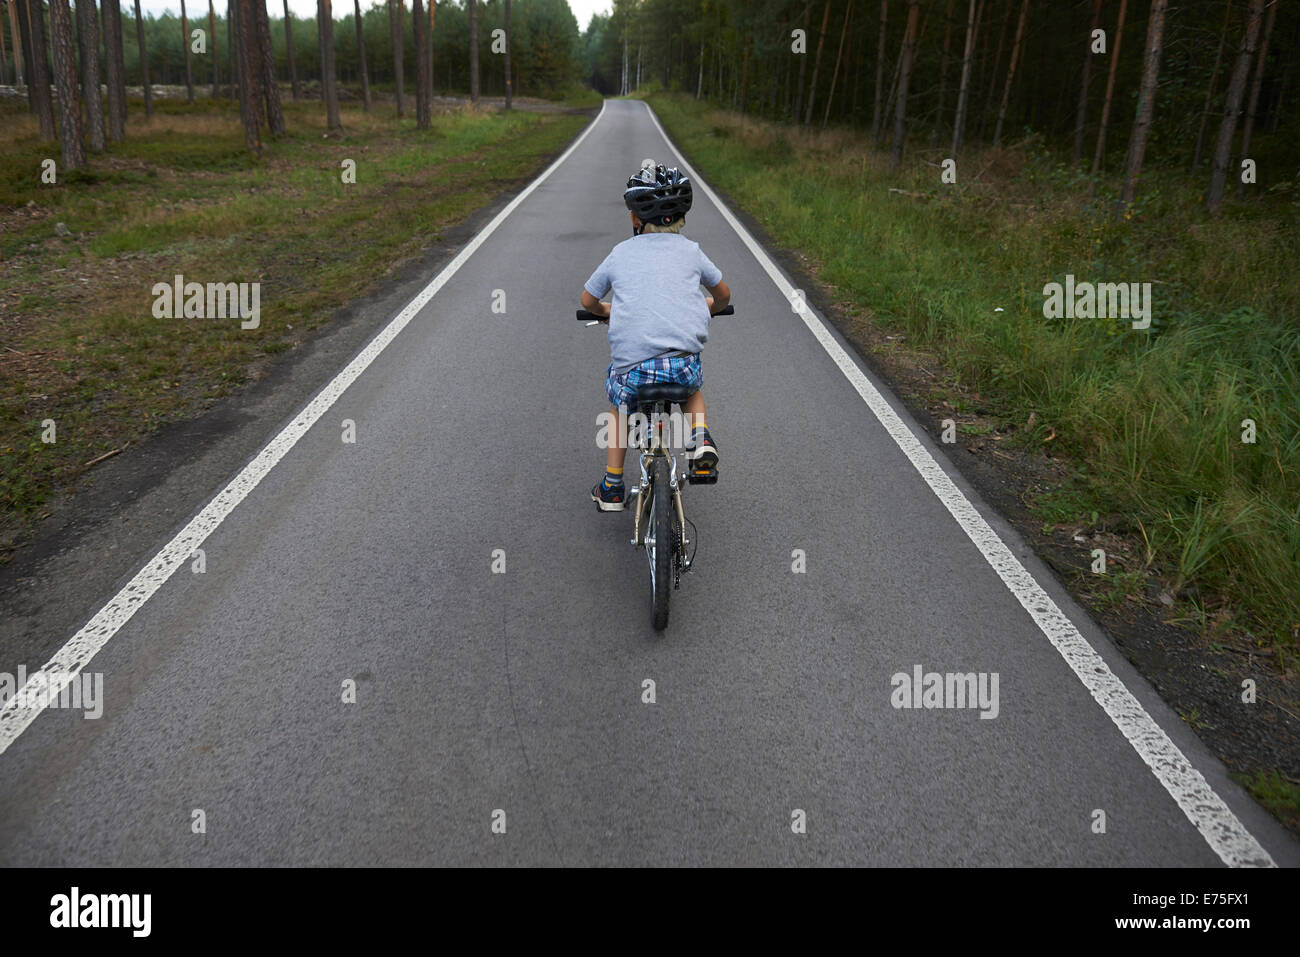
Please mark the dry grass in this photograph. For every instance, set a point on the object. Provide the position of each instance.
(181, 195)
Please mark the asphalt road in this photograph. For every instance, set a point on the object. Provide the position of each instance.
(522, 692)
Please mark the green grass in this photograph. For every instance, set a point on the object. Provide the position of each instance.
(578, 97)
(1154, 418)
(181, 195)
(1275, 792)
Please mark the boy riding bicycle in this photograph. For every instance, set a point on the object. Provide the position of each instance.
(658, 319)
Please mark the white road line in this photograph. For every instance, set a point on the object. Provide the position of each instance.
(17, 713)
(1222, 830)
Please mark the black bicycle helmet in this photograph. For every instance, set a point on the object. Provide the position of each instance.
(657, 195)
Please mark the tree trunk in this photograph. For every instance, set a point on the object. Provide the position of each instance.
(803, 65)
(880, 72)
(509, 86)
(65, 79)
(891, 101)
(699, 84)
(270, 85)
(943, 68)
(1232, 106)
(780, 105)
(889, 97)
(1282, 89)
(395, 15)
(719, 92)
(1146, 100)
(253, 59)
(963, 94)
(1011, 70)
(185, 42)
(20, 71)
(144, 61)
(1110, 89)
(361, 56)
(39, 81)
(817, 62)
(243, 46)
(428, 45)
(1254, 93)
(839, 54)
(24, 34)
(232, 46)
(744, 80)
(1214, 79)
(114, 68)
(1081, 114)
(856, 63)
(421, 67)
(4, 59)
(88, 40)
(295, 88)
(997, 64)
(473, 50)
(212, 49)
(329, 89)
(905, 79)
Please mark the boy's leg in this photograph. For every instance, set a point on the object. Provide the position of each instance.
(617, 451)
(694, 409)
(609, 494)
(703, 450)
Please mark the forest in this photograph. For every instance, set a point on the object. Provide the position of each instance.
(543, 58)
(1188, 83)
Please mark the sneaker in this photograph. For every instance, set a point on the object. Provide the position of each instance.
(608, 498)
(704, 457)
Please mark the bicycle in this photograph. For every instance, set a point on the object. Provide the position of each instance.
(659, 519)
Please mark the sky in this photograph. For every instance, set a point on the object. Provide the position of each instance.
(582, 9)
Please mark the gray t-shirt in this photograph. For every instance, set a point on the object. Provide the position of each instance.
(657, 307)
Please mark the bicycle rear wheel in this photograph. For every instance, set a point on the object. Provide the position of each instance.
(659, 542)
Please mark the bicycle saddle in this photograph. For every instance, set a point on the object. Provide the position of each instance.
(663, 392)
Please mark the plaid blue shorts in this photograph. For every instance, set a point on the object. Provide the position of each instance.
(681, 370)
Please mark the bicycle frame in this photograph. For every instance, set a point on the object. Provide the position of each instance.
(655, 448)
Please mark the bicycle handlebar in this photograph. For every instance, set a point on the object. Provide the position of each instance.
(586, 316)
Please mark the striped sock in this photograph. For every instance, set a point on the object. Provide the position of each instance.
(613, 478)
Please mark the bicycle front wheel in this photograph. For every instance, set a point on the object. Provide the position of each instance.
(659, 542)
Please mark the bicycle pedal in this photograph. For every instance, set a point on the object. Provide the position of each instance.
(702, 477)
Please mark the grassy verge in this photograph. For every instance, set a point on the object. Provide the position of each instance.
(579, 97)
(79, 343)
(1151, 421)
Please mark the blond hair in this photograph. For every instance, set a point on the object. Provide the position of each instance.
(676, 227)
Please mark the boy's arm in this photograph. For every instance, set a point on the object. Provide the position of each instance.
(720, 297)
(594, 305)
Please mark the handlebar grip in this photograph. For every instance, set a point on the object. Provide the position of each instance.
(729, 311)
